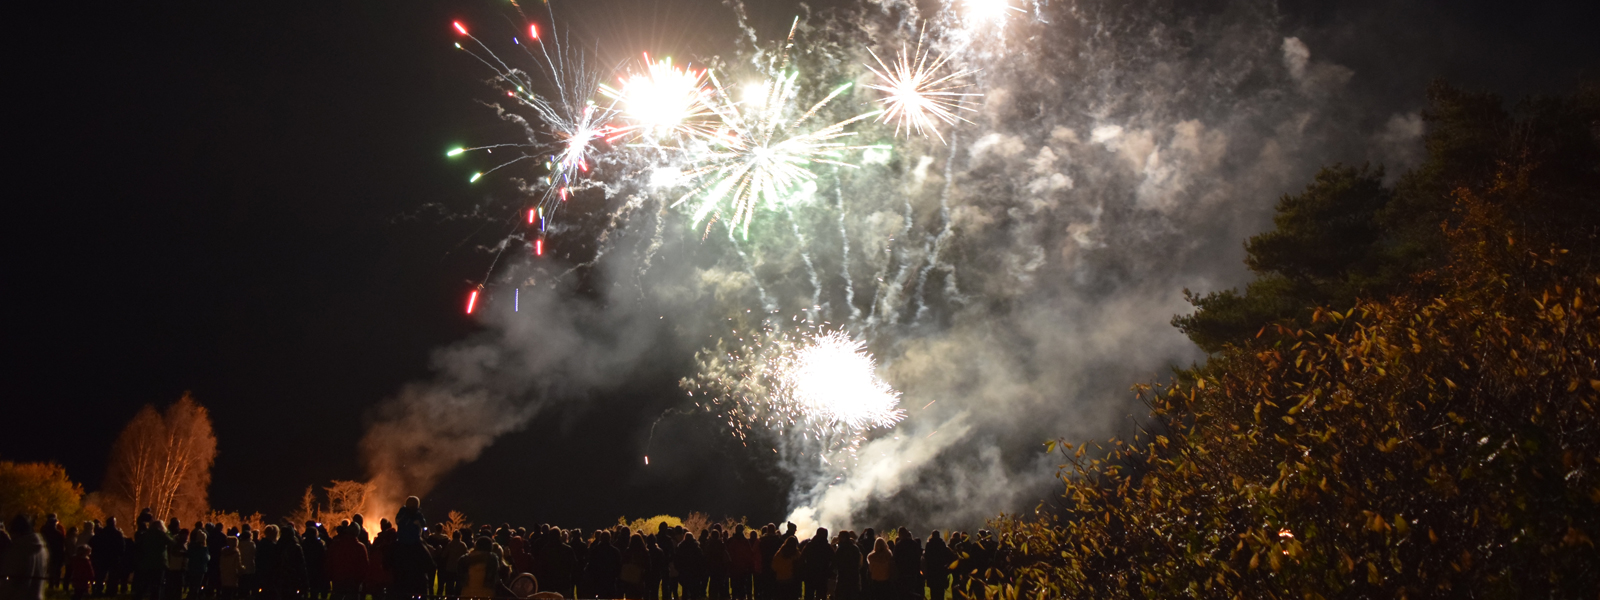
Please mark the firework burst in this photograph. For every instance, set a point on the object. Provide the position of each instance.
(812, 387)
(665, 101)
(570, 127)
(762, 151)
(916, 97)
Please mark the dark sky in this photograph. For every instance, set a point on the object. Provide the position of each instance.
(232, 198)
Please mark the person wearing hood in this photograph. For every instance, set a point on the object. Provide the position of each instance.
(150, 570)
(80, 572)
(479, 570)
(267, 562)
(26, 564)
(691, 559)
(908, 564)
(176, 555)
(936, 561)
(347, 564)
(605, 566)
(106, 547)
(291, 568)
(717, 563)
(247, 560)
(766, 548)
(410, 567)
(785, 566)
(410, 522)
(228, 568)
(816, 565)
(197, 562)
(741, 562)
(847, 567)
(316, 552)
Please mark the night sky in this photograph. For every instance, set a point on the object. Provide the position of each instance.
(250, 201)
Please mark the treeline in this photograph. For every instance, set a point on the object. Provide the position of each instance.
(1403, 403)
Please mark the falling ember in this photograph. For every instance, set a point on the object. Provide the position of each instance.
(472, 301)
(459, 28)
(538, 247)
(516, 300)
(532, 214)
(533, 30)
(647, 459)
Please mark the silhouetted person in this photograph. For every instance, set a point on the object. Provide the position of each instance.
(635, 564)
(291, 568)
(717, 563)
(479, 570)
(605, 566)
(936, 560)
(106, 546)
(409, 522)
(55, 544)
(197, 560)
(785, 570)
(907, 564)
(847, 564)
(691, 568)
(347, 564)
(316, 552)
(816, 565)
(741, 562)
(766, 548)
(267, 562)
(150, 570)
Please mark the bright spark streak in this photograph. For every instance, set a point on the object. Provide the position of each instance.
(989, 11)
(538, 247)
(472, 301)
(475, 177)
(459, 28)
(533, 30)
(916, 97)
(455, 152)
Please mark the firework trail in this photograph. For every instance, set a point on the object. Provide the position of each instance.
(944, 235)
(811, 269)
(844, 250)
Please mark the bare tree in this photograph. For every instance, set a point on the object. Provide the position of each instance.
(162, 461)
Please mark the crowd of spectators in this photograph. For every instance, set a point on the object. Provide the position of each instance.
(405, 559)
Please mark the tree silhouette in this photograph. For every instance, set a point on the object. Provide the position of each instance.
(162, 461)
